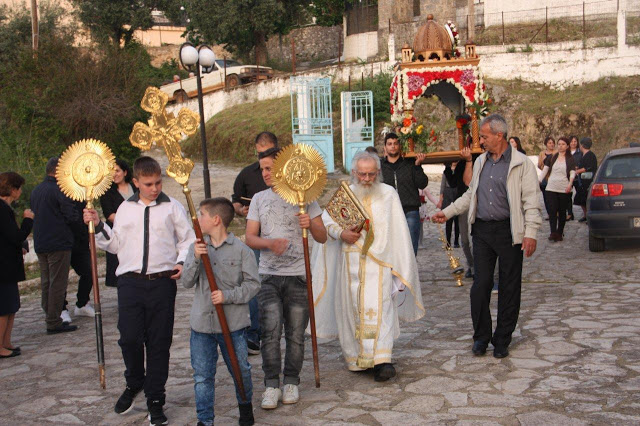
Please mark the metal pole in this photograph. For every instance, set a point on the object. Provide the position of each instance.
(584, 29)
(546, 24)
(362, 80)
(503, 28)
(224, 58)
(293, 55)
(203, 138)
(349, 82)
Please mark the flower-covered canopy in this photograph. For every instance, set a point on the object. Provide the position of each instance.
(438, 68)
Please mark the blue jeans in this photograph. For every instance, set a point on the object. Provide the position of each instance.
(413, 220)
(253, 333)
(283, 303)
(204, 357)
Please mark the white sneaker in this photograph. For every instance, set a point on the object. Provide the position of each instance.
(270, 398)
(65, 316)
(86, 311)
(290, 395)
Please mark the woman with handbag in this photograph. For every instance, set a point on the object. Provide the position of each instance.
(586, 171)
(549, 151)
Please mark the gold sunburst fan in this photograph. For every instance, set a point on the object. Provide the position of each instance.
(300, 174)
(85, 170)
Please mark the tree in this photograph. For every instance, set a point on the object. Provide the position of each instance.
(328, 12)
(241, 25)
(117, 20)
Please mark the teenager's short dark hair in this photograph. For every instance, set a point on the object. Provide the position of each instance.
(271, 152)
(586, 142)
(146, 166)
(390, 135)
(219, 206)
(267, 138)
(10, 181)
(124, 166)
(51, 166)
(371, 149)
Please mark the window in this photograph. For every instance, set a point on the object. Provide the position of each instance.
(416, 7)
(623, 166)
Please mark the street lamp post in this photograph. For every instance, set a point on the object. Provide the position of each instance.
(194, 59)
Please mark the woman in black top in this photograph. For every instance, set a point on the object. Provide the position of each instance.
(120, 190)
(574, 147)
(586, 170)
(11, 260)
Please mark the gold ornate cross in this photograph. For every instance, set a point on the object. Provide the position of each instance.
(166, 129)
(371, 313)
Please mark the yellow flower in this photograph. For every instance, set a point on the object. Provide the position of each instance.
(420, 129)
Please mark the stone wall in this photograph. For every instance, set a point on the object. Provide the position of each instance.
(312, 43)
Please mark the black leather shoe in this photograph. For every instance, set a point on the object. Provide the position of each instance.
(469, 273)
(64, 328)
(479, 348)
(383, 372)
(500, 352)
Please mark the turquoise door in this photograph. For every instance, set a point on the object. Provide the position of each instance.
(311, 120)
(357, 124)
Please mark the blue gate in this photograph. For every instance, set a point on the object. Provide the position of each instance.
(357, 124)
(311, 119)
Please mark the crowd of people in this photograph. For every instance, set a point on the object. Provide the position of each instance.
(366, 278)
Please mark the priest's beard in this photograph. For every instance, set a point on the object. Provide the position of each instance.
(363, 190)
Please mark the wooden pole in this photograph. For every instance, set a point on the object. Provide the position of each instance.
(503, 28)
(226, 334)
(546, 24)
(34, 24)
(340, 49)
(312, 315)
(96, 300)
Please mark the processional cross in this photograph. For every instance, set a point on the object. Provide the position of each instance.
(166, 129)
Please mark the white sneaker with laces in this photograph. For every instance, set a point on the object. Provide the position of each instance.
(65, 316)
(270, 398)
(290, 395)
(86, 311)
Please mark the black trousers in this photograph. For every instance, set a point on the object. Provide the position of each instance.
(145, 321)
(557, 203)
(81, 263)
(492, 241)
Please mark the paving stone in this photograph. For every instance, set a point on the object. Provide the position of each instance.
(538, 418)
(421, 404)
(344, 414)
(436, 385)
(483, 411)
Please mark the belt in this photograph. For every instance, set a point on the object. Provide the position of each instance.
(149, 277)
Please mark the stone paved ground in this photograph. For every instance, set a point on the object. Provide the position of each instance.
(574, 358)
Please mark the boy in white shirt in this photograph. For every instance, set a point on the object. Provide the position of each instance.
(151, 235)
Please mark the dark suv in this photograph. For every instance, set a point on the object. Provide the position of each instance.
(613, 205)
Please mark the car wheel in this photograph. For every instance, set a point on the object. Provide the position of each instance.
(180, 96)
(233, 81)
(595, 244)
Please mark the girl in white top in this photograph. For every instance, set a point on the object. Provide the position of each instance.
(559, 170)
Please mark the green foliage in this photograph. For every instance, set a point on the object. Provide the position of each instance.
(117, 20)
(63, 94)
(328, 12)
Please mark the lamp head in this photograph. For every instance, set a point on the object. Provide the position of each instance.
(206, 58)
(188, 56)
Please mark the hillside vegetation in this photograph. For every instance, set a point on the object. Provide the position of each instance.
(606, 110)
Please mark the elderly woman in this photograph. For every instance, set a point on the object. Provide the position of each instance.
(11, 261)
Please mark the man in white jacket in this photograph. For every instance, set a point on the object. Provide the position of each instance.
(504, 217)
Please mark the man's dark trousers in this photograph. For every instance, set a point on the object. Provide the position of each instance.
(491, 241)
(145, 320)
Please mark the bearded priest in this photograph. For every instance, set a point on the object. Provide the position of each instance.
(361, 290)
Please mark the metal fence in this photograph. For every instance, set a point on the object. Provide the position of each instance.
(580, 21)
(362, 16)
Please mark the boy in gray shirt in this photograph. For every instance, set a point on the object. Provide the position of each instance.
(236, 272)
(275, 228)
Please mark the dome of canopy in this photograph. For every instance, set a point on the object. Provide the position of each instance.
(432, 36)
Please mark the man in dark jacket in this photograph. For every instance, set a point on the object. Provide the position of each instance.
(53, 242)
(407, 177)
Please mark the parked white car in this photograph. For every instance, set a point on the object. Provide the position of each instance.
(236, 74)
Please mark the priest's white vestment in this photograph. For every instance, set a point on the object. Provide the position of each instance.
(360, 298)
